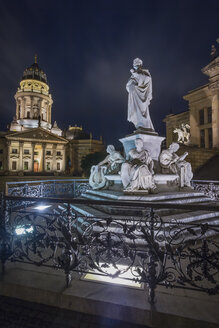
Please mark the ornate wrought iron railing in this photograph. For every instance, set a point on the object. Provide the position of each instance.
(48, 188)
(208, 187)
(156, 252)
(75, 187)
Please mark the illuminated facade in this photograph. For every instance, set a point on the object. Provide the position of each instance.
(202, 117)
(33, 144)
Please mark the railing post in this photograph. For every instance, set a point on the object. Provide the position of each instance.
(5, 247)
(6, 188)
(54, 188)
(41, 189)
(74, 188)
(26, 189)
(152, 262)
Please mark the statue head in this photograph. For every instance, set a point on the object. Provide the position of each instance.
(137, 62)
(110, 149)
(139, 144)
(174, 147)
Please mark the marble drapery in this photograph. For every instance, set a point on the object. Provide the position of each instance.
(139, 88)
(110, 165)
(137, 173)
(170, 162)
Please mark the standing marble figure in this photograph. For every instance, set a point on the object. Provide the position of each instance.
(139, 88)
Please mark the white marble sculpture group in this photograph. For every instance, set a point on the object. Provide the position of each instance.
(145, 167)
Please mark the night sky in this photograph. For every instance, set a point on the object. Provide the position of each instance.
(86, 48)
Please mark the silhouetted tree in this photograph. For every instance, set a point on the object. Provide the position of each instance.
(91, 159)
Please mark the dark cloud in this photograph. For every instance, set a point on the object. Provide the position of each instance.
(87, 47)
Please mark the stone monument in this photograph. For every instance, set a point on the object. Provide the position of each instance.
(145, 169)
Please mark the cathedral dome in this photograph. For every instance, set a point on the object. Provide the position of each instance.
(34, 72)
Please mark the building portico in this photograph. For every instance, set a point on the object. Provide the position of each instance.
(36, 150)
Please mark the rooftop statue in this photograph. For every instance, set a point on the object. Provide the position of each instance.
(139, 87)
(170, 162)
(183, 133)
(137, 173)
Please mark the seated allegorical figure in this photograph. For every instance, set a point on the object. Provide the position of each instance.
(137, 173)
(110, 165)
(112, 161)
(170, 162)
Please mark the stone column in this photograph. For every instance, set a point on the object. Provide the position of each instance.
(63, 158)
(47, 111)
(22, 107)
(21, 144)
(49, 116)
(32, 157)
(40, 108)
(215, 117)
(8, 155)
(17, 111)
(43, 157)
(54, 147)
(31, 107)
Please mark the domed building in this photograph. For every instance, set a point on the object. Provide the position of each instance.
(33, 144)
(33, 100)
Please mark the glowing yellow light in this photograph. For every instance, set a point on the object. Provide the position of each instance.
(118, 280)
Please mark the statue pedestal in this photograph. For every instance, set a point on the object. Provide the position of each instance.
(152, 143)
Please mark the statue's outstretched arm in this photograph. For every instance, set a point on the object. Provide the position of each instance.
(105, 161)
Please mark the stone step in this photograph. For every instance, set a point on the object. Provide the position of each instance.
(167, 198)
(94, 197)
(88, 211)
(108, 194)
(112, 210)
(88, 214)
(192, 217)
(183, 200)
(187, 200)
(189, 217)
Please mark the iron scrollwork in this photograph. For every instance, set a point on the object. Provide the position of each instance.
(210, 189)
(170, 254)
(53, 188)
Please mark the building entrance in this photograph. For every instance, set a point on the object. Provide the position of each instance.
(36, 166)
(38, 160)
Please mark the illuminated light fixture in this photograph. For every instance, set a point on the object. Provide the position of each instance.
(95, 276)
(23, 230)
(42, 207)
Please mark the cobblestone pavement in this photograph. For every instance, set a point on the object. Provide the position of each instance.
(15, 313)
